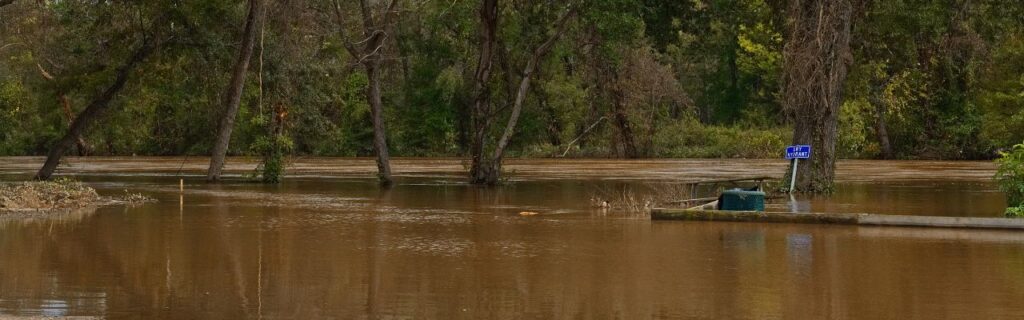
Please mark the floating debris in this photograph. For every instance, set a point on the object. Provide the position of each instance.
(60, 194)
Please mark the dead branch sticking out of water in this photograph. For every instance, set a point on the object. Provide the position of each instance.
(640, 200)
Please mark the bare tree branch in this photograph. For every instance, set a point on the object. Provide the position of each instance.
(341, 31)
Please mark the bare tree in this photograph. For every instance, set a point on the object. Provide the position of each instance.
(488, 170)
(816, 58)
(642, 86)
(233, 93)
(375, 33)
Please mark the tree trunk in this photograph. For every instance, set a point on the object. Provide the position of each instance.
(816, 58)
(627, 140)
(481, 112)
(881, 130)
(554, 125)
(380, 143)
(94, 111)
(371, 62)
(65, 104)
(491, 171)
(592, 87)
(80, 142)
(369, 57)
(233, 93)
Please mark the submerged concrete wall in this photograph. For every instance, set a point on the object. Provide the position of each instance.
(839, 218)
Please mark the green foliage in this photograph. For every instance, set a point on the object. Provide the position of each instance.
(24, 131)
(855, 118)
(691, 139)
(1001, 96)
(1015, 212)
(1010, 175)
(274, 149)
(693, 78)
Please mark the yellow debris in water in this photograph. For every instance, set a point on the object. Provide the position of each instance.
(528, 213)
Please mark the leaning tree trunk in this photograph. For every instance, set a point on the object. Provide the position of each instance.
(80, 142)
(92, 112)
(65, 104)
(816, 58)
(233, 93)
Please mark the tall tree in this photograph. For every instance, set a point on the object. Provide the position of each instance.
(486, 169)
(233, 93)
(375, 33)
(816, 58)
(482, 108)
(96, 108)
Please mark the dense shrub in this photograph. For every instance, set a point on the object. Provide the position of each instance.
(692, 139)
(1011, 179)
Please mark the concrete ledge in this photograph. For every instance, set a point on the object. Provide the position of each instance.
(862, 219)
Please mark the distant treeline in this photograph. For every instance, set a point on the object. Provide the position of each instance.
(935, 79)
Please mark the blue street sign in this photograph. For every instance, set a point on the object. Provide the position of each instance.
(798, 152)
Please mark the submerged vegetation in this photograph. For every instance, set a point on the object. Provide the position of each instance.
(59, 194)
(47, 195)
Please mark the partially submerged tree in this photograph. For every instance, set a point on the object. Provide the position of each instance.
(484, 168)
(367, 52)
(816, 58)
(233, 93)
(94, 111)
(145, 39)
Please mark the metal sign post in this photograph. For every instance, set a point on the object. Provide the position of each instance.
(792, 181)
(796, 153)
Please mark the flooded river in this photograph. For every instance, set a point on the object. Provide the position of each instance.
(328, 243)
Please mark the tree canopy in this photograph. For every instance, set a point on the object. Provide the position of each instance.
(587, 78)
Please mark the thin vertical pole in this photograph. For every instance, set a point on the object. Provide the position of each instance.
(792, 181)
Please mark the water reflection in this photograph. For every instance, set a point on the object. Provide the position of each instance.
(219, 260)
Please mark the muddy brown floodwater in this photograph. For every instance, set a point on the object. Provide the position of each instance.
(328, 243)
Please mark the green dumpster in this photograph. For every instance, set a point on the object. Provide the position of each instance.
(741, 200)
